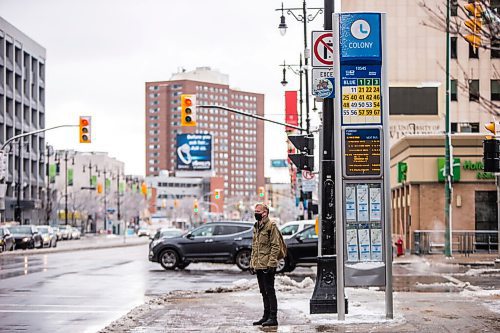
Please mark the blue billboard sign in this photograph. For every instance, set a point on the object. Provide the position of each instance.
(194, 152)
(361, 38)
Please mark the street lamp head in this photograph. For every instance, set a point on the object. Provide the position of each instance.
(282, 27)
(284, 82)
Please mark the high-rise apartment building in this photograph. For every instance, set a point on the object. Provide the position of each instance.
(238, 141)
(416, 47)
(22, 110)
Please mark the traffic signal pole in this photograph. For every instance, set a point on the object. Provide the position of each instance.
(449, 158)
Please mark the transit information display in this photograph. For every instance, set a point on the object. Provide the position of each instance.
(362, 151)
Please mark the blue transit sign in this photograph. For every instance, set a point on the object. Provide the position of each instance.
(194, 151)
(279, 164)
(360, 35)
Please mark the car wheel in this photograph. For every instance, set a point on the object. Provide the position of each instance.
(55, 243)
(41, 245)
(183, 265)
(243, 259)
(282, 266)
(169, 259)
(3, 247)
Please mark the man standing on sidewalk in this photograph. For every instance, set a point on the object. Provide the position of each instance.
(264, 260)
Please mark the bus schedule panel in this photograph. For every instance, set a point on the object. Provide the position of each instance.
(362, 152)
(361, 99)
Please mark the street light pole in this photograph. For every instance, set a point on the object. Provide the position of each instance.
(449, 158)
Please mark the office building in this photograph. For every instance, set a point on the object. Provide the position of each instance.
(22, 110)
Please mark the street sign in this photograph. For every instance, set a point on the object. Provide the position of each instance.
(322, 50)
(308, 175)
(323, 82)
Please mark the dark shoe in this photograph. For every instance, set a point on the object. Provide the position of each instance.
(270, 322)
(261, 321)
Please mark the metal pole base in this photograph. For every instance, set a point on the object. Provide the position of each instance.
(324, 298)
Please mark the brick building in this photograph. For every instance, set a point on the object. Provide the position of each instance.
(238, 141)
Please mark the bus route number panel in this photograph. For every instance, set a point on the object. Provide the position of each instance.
(361, 99)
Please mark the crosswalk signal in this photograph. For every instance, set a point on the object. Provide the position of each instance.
(474, 23)
(85, 129)
(217, 194)
(195, 206)
(188, 110)
(261, 192)
(491, 148)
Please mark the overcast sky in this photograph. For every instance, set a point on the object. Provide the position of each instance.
(101, 53)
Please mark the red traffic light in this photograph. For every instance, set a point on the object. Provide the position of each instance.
(84, 122)
(188, 102)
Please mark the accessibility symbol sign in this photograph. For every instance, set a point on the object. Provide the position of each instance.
(322, 50)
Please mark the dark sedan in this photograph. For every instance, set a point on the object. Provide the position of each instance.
(26, 236)
(7, 242)
(224, 242)
(302, 248)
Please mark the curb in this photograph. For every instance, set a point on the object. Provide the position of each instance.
(17, 253)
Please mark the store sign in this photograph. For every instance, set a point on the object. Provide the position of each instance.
(478, 166)
(441, 169)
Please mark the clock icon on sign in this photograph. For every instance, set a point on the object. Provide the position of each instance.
(360, 29)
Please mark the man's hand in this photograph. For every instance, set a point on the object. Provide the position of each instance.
(270, 270)
(251, 270)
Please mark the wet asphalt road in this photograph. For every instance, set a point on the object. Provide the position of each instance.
(83, 291)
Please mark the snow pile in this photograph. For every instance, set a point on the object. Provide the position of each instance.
(239, 285)
(284, 283)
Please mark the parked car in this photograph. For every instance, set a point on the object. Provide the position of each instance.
(75, 233)
(65, 231)
(26, 236)
(225, 242)
(302, 248)
(58, 233)
(49, 237)
(7, 242)
(143, 232)
(290, 228)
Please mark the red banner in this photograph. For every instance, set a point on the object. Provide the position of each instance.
(291, 116)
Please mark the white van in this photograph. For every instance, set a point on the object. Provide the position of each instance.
(291, 228)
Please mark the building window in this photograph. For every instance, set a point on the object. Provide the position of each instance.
(495, 48)
(474, 90)
(495, 90)
(473, 52)
(453, 48)
(453, 91)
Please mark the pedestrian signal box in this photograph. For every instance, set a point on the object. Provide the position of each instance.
(188, 110)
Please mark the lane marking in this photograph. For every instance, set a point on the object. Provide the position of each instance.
(62, 305)
(58, 311)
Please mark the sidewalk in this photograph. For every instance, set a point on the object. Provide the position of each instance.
(87, 242)
(233, 308)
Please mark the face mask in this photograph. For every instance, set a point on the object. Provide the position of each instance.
(258, 216)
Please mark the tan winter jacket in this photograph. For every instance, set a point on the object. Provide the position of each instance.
(265, 245)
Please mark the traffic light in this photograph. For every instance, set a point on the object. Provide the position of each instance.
(261, 192)
(474, 23)
(85, 129)
(217, 194)
(491, 148)
(144, 189)
(195, 206)
(402, 171)
(188, 110)
(304, 160)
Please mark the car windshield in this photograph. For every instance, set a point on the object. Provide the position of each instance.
(62, 227)
(1, 232)
(20, 230)
(43, 230)
(170, 233)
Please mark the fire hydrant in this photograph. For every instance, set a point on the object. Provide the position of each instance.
(399, 246)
